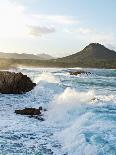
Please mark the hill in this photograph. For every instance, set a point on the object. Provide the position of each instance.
(25, 56)
(45, 56)
(92, 51)
(93, 55)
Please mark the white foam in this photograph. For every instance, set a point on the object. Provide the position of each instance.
(65, 105)
(71, 96)
(45, 76)
(74, 140)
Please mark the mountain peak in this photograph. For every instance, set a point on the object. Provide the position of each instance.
(94, 46)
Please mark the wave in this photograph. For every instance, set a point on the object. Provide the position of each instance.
(85, 137)
(76, 141)
(66, 104)
(46, 76)
(68, 111)
(71, 96)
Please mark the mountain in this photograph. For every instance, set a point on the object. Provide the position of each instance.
(45, 56)
(93, 55)
(25, 56)
(92, 51)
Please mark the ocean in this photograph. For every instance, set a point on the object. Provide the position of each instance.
(80, 117)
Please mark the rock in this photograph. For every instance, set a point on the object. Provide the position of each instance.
(79, 72)
(37, 117)
(15, 83)
(31, 112)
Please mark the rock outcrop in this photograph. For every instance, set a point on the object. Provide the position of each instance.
(31, 112)
(79, 72)
(15, 83)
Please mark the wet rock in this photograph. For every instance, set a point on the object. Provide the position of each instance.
(15, 83)
(78, 72)
(31, 112)
(37, 117)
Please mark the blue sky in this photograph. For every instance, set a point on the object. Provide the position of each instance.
(56, 27)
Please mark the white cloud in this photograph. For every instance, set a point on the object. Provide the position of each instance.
(55, 19)
(12, 20)
(91, 35)
(79, 31)
(38, 30)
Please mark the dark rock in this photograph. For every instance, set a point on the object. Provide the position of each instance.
(40, 108)
(79, 72)
(31, 112)
(15, 83)
(37, 117)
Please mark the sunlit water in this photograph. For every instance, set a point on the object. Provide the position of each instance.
(80, 117)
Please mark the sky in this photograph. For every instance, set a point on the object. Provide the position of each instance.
(56, 27)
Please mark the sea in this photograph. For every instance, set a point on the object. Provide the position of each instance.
(80, 116)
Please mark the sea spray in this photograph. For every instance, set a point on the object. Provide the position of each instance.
(74, 139)
(46, 76)
(71, 96)
(65, 105)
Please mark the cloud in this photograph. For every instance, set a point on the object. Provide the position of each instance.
(41, 17)
(79, 31)
(15, 17)
(39, 31)
(12, 20)
(55, 19)
(92, 35)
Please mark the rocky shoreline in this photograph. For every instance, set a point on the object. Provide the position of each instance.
(15, 83)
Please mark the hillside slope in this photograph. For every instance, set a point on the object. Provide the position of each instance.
(92, 51)
(93, 55)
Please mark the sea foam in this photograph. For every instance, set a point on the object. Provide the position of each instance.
(46, 76)
(65, 105)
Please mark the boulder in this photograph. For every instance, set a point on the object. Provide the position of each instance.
(31, 112)
(79, 72)
(15, 83)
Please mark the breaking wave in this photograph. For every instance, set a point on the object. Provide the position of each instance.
(65, 105)
(46, 76)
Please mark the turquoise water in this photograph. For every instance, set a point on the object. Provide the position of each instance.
(80, 117)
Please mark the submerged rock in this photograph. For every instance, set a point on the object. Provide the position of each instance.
(31, 112)
(15, 83)
(78, 72)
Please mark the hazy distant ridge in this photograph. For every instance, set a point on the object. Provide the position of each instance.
(25, 56)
